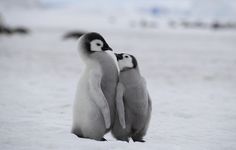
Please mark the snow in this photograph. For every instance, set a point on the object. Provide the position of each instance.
(190, 74)
(190, 77)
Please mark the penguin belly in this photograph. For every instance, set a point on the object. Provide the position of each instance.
(136, 102)
(88, 121)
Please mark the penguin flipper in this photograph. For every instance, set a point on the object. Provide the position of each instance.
(98, 96)
(120, 104)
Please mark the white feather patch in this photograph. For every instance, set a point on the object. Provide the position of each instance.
(96, 45)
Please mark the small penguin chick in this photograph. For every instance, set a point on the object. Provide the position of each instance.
(94, 105)
(133, 103)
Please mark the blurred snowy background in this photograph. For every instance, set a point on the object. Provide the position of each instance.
(186, 50)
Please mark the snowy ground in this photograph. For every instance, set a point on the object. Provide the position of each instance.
(191, 76)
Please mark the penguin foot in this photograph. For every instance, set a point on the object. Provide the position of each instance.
(140, 140)
(79, 136)
(103, 139)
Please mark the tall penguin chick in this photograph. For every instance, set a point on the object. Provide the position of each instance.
(133, 103)
(94, 105)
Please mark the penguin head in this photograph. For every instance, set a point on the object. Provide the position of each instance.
(92, 45)
(126, 61)
(93, 42)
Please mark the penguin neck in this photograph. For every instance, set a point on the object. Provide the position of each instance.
(103, 60)
(131, 77)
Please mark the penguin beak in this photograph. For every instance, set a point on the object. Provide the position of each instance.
(113, 56)
(106, 48)
(118, 56)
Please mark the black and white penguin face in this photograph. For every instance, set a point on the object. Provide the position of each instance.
(94, 42)
(92, 45)
(126, 61)
(96, 45)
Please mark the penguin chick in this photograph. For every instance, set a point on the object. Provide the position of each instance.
(133, 103)
(94, 105)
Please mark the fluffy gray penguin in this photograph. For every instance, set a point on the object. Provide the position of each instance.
(132, 101)
(94, 106)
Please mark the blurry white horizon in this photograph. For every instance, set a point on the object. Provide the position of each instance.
(186, 8)
(123, 11)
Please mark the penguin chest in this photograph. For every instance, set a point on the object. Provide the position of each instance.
(84, 102)
(136, 99)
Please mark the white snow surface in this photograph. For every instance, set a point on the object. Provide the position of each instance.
(191, 77)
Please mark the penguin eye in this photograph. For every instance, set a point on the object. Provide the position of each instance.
(98, 44)
(126, 56)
